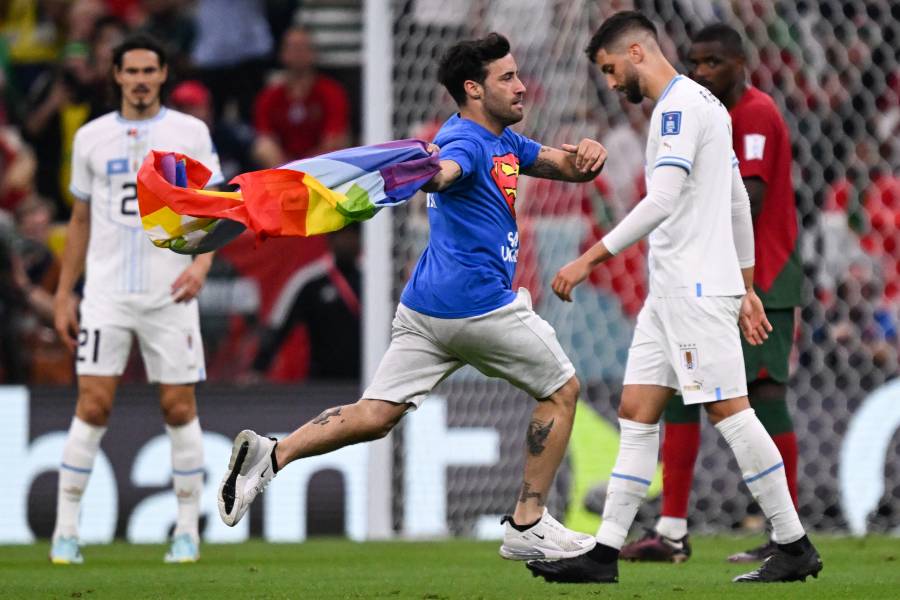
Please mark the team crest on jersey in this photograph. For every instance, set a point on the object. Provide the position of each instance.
(117, 166)
(690, 359)
(671, 122)
(506, 175)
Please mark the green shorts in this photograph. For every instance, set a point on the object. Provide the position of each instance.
(770, 360)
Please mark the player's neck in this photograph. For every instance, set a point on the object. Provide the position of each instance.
(658, 80)
(130, 112)
(482, 119)
(735, 94)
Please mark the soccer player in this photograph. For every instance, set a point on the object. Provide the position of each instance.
(459, 307)
(131, 288)
(762, 144)
(701, 285)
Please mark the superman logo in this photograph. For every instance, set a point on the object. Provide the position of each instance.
(506, 175)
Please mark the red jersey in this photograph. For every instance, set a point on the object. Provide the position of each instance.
(300, 124)
(762, 144)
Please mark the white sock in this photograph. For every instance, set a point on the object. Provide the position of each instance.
(81, 448)
(672, 527)
(763, 472)
(635, 465)
(187, 475)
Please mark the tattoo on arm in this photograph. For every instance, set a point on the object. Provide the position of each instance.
(323, 418)
(536, 438)
(527, 495)
(544, 167)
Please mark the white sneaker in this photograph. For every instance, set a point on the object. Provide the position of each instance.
(249, 472)
(547, 539)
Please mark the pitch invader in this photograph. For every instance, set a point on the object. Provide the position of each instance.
(459, 306)
(687, 338)
(762, 143)
(131, 289)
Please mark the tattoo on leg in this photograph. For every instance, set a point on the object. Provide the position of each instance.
(323, 418)
(527, 495)
(537, 436)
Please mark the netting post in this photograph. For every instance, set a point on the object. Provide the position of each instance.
(377, 244)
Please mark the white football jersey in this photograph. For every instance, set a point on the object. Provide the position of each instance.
(692, 252)
(106, 156)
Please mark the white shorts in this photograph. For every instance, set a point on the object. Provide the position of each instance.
(511, 342)
(168, 335)
(689, 344)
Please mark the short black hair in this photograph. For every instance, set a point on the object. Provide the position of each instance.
(726, 35)
(468, 60)
(139, 41)
(617, 25)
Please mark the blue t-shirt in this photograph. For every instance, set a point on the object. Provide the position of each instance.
(468, 266)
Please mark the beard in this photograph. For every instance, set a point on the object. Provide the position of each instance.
(632, 88)
(502, 111)
(142, 103)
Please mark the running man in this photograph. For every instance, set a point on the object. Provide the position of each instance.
(131, 288)
(697, 214)
(459, 307)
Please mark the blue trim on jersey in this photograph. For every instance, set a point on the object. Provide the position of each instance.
(718, 393)
(764, 473)
(699, 289)
(672, 163)
(188, 472)
(75, 469)
(162, 112)
(669, 87)
(688, 162)
(630, 478)
(83, 196)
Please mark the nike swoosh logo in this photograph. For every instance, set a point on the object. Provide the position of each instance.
(264, 471)
(538, 536)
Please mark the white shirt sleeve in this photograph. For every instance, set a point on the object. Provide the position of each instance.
(741, 221)
(680, 135)
(662, 193)
(80, 182)
(206, 154)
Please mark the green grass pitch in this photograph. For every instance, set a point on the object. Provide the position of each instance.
(854, 568)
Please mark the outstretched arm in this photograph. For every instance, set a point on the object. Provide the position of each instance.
(569, 163)
(450, 172)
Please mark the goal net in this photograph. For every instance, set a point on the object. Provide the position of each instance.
(832, 67)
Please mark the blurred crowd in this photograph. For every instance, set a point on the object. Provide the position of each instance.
(275, 80)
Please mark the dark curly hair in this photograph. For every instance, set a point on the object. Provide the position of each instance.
(467, 61)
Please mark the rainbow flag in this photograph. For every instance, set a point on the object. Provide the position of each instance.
(305, 197)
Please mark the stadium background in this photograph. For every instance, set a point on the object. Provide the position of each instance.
(453, 467)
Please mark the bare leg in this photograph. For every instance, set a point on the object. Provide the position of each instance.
(95, 399)
(545, 445)
(364, 421)
(178, 403)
